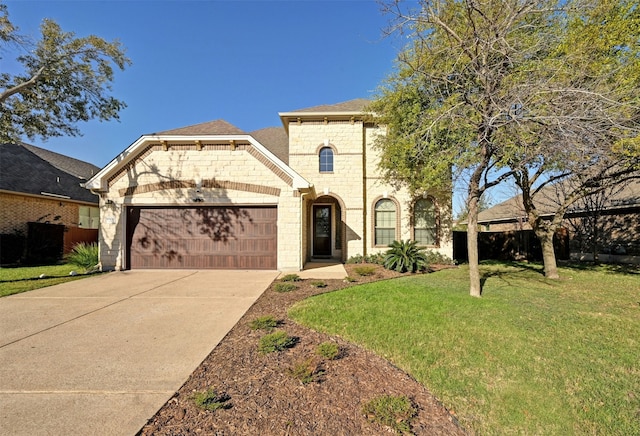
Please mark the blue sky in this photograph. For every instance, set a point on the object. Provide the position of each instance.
(241, 61)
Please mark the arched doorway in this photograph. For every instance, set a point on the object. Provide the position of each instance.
(327, 228)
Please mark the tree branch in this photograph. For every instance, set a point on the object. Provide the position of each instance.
(22, 86)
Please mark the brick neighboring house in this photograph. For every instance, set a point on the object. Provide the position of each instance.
(213, 196)
(40, 186)
(609, 221)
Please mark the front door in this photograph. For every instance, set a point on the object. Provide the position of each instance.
(322, 231)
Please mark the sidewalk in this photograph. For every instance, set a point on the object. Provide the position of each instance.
(321, 270)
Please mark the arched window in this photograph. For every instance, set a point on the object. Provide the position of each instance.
(326, 160)
(425, 224)
(385, 222)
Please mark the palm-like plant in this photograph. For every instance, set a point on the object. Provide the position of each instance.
(84, 256)
(404, 256)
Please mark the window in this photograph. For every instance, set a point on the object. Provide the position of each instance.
(89, 217)
(326, 160)
(425, 229)
(385, 222)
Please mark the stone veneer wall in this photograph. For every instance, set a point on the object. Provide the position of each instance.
(345, 182)
(227, 177)
(352, 182)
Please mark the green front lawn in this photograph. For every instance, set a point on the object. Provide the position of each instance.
(532, 356)
(16, 280)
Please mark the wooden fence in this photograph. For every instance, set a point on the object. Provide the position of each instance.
(512, 245)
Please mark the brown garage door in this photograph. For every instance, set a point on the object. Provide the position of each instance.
(202, 237)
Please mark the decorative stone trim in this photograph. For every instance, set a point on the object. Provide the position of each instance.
(335, 152)
(191, 184)
(329, 145)
(125, 168)
(321, 122)
(267, 163)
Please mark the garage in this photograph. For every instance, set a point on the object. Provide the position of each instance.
(209, 237)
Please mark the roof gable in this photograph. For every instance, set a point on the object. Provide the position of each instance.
(146, 143)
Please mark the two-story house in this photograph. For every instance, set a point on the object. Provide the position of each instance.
(213, 196)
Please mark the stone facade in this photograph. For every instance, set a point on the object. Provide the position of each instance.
(355, 184)
(216, 164)
(215, 175)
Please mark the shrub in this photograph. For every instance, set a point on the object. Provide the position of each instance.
(404, 256)
(306, 371)
(276, 341)
(436, 258)
(365, 270)
(211, 400)
(358, 258)
(291, 278)
(84, 256)
(267, 322)
(377, 258)
(393, 411)
(284, 287)
(319, 284)
(12, 246)
(328, 350)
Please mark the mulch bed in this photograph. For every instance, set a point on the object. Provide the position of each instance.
(266, 400)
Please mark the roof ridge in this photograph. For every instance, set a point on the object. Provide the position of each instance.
(354, 105)
(213, 127)
(78, 168)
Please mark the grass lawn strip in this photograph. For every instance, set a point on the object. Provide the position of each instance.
(533, 356)
(23, 279)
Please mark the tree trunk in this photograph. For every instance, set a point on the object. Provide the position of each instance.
(472, 246)
(548, 254)
(594, 239)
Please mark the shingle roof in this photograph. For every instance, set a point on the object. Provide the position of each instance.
(76, 167)
(357, 105)
(32, 170)
(547, 199)
(216, 127)
(275, 139)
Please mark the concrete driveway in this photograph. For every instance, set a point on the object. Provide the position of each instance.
(101, 355)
